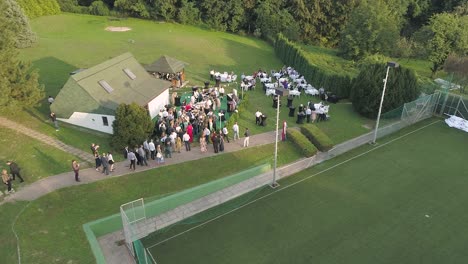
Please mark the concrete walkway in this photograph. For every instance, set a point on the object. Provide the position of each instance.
(52, 183)
(85, 156)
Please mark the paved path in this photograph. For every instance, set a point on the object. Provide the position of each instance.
(46, 139)
(52, 183)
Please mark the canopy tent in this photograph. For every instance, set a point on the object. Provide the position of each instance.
(166, 64)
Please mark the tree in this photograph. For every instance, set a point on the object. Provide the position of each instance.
(215, 14)
(273, 18)
(98, 8)
(25, 37)
(371, 29)
(188, 13)
(445, 34)
(132, 125)
(165, 9)
(19, 85)
(135, 8)
(366, 90)
(458, 68)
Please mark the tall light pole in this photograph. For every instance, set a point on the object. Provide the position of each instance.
(279, 92)
(390, 64)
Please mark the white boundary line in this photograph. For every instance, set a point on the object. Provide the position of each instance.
(291, 185)
(18, 250)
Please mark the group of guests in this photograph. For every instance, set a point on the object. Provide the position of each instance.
(104, 162)
(311, 113)
(8, 178)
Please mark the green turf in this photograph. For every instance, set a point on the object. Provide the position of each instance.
(37, 160)
(370, 210)
(50, 229)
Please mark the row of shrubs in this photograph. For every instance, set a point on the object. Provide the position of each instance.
(310, 139)
(293, 55)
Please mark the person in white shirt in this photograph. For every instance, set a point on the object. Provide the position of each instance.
(235, 129)
(207, 133)
(258, 114)
(152, 149)
(225, 134)
(308, 114)
(186, 139)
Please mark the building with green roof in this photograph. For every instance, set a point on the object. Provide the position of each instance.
(90, 97)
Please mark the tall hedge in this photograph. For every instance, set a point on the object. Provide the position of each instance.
(317, 137)
(296, 137)
(37, 8)
(293, 55)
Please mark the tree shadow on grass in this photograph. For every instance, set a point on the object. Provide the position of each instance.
(54, 73)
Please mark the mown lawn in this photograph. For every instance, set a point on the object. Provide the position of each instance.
(50, 228)
(404, 202)
(37, 160)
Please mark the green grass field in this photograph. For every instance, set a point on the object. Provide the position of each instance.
(403, 201)
(50, 228)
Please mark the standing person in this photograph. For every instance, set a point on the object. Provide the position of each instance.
(110, 158)
(168, 149)
(178, 145)
(142, 154)
(203, 143)
(146, 148)
(76, 169)
(98, 161)
(190, 132)
(225, 134)
(235, 128)
(132, 158)
(215, 140)
(105, 164)
(7, 181)
(283, 133)
(53, 117)
(221, 143)
(159, 155)
(247, 137)
(50, 99)
(186, 139)
(308, 114)
(207, 133)
(125, 152)
(15, 170)
(94, 148)
(152, 149)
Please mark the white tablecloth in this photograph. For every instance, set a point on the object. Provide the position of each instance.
(270, 92)
(311, 91)
(271, 85)
(295, 93)
(457, 122)
(265, 79)
(277, 75)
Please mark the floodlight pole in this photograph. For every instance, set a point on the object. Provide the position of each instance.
(273, 182)
(389, 65)
(278, 92)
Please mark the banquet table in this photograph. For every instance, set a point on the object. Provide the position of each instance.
(271, 85)
(277, 75)
(295, 93)
(270, 92)
(311, 91)
(265, 79)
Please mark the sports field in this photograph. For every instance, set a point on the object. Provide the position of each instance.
(402, 201)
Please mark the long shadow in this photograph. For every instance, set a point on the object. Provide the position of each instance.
(54, 73)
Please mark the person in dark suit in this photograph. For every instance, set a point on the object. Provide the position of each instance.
(15, 170)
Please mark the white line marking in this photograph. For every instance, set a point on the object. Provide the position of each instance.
(292, 184)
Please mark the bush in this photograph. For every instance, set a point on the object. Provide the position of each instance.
(317, 137)
(298, 139)
(366, 92)
(37, 8)
(98, 8)
(132, 126)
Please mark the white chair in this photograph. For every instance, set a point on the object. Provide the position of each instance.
(234, 78)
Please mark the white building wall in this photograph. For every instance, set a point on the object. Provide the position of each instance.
(158, 103)
(91, 121)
